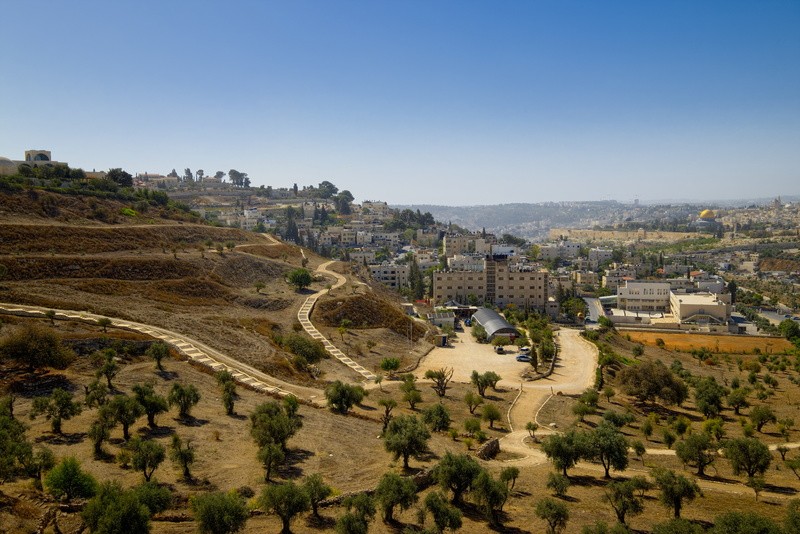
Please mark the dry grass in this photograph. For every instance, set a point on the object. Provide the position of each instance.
(715, 343)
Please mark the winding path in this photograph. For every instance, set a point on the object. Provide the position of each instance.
(194, 350)
(304, 317)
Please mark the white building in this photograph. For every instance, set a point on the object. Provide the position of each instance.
(644, 295)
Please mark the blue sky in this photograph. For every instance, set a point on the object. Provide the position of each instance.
(439, 102)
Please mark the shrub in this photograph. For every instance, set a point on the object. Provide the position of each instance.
(67, 480)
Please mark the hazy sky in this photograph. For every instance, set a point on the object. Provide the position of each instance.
(408, 101)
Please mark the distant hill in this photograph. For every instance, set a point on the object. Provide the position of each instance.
(528, 220)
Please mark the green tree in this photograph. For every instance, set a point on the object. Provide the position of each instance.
(182, 455)
(490, 495)
(96, 394)
(744, 523)
(104, 323)
(300, 278)
(737, 399)
(108, 366)
(675, 489)
(390, 365)
(360, 511)
(480, 381)
(100, 430)
(607, 445)
(152, 403)
(437, 417)
(219, 512)
(115, 511)
(761, 415)
(270, 455)
(228, 386)
(184, 397)
(564, 450)
(56, 408)
(341, 397)
(388, 405)
(651, 380)
(748, 456)
(508, 476)
(286, 501)
(444, 515)
(35, 347)
(392, 491)
(125, 410)
(623, 499)
(270, 423)
(457, 472)
(67, 480)
(317, 491)
(146, 456)
(558, 483)
(14, 446)
(708, 396)
(440, 377)
(491, 413)
(158, 351)
(155, 497)
(406, 436)
(554, 513)
(698, 450)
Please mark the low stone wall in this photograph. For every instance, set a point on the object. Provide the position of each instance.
(489, 450)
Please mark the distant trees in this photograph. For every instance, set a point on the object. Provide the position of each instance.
(239, 179)
(120, 177)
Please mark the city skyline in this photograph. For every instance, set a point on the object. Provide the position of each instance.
(418, 103)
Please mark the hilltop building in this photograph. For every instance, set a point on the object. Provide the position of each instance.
(33, 158)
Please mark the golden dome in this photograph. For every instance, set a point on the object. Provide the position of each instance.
(707, 214)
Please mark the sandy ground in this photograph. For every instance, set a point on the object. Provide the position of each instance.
(574, 372)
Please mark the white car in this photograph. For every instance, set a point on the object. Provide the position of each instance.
(524, 350)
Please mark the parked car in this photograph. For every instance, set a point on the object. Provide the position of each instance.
(468, 322)
(524, 350)
(498, 349)
(523, 358)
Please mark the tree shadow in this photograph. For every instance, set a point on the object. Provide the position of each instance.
(156, 431)
(104, 456)
(320, 523)
(191, 421)
(291, 466)
(238, 416)
(784, 490)
(65, 438)
(367, 408)
(587, 481)
(167, 375)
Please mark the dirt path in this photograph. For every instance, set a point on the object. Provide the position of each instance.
(194, 350)
(304, 317)
(574, 372)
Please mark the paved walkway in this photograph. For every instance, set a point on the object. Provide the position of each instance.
(305, 312)
(194, 350)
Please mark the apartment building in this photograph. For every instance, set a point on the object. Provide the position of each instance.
(498, 283)
(390, 275)
(644, 295)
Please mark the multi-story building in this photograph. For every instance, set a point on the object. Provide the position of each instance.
(391, 275)
(644, 295)
(598, 256)
(498, 283)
